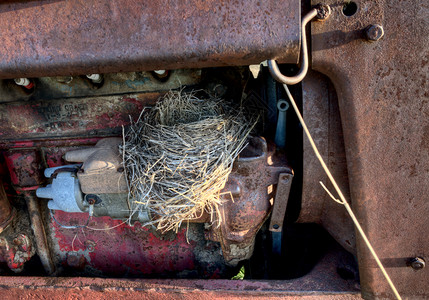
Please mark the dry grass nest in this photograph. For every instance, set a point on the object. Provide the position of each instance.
(178, 156)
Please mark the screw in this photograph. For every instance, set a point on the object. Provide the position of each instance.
(417, 263)
(120, 169)
(285, 178)
(374, 32)
(323, 11)
(276, 226)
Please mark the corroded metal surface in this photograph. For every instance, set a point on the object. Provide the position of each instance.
(321, 112)
(248, 200)
(280, 202)
(15, 251)
(82, 117)
(39, 232)
(25, 168)
(109, 247)
(61, 87)
(105, 247)
(322, 282)
(383, 97)
(49, 38)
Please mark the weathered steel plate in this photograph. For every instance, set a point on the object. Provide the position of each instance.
(48, 38)
(383, 98)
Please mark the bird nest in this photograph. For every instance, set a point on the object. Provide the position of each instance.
(178, 156)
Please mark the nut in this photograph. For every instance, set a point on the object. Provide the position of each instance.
(374, 32)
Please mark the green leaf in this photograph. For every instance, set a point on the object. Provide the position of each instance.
(240, 274)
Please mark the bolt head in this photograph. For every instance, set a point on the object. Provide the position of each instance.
(323, 11)
(374, 32)
(417, 263)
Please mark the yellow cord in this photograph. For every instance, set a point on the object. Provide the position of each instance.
(340, 194)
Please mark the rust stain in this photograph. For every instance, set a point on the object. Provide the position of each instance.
(50, 38)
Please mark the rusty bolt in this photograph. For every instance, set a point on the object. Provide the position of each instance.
(285, 178)
(374, 32)
(76, 261)
(323, 11)
(417, 263)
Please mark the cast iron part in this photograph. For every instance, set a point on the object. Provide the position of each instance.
(249, 208)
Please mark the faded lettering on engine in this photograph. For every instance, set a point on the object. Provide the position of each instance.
(58, 112)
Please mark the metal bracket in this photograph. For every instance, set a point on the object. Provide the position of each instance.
(280, 202)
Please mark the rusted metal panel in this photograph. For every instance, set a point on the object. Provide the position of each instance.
(25, 167)
(382, 89)
(78, 117)
(109, 247)
(49, 38)
(320, 109)
(322, 282)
